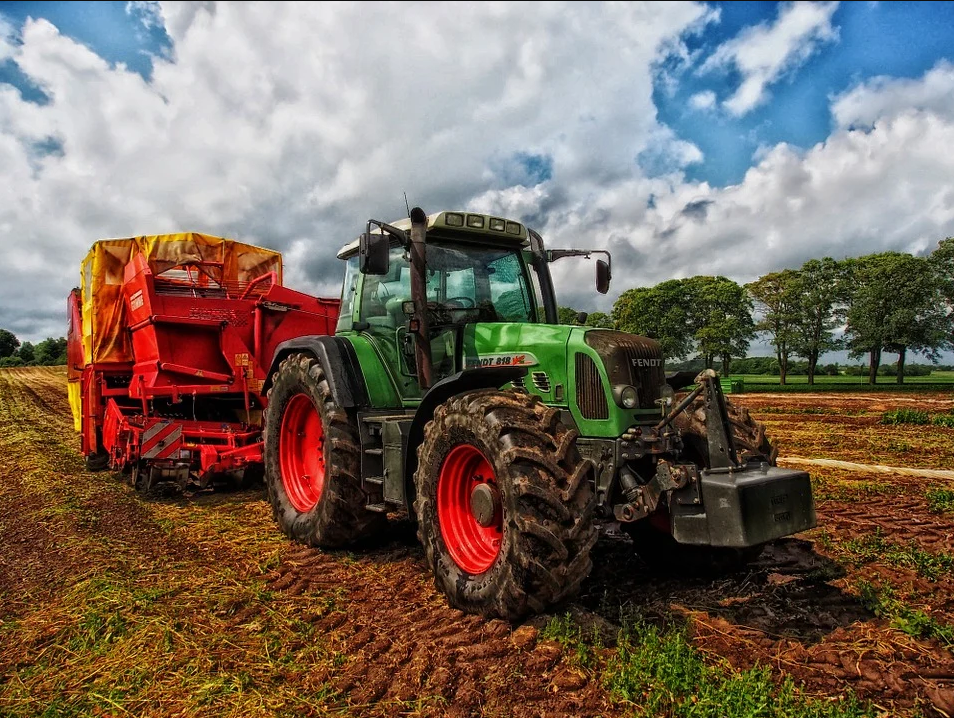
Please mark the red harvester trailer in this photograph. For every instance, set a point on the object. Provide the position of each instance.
(170, 340)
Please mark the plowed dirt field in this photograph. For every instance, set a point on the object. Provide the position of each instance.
(195, 605)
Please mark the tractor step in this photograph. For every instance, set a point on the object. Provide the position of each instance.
(374, 452)
(378, 508)
(374, 480)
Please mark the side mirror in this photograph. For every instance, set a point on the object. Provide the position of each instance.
(603, 276)
(374, 253)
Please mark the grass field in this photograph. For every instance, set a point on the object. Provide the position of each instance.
(195, 605)
(936, 381)
(937, 377)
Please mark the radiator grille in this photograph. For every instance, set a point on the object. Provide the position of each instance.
(590, 394)
(630, 359)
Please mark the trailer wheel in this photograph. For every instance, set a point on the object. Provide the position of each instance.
(97, 462)
(140, 477)
(312, 459)
(504, 504)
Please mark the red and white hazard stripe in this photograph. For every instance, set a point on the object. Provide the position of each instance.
(161, 440)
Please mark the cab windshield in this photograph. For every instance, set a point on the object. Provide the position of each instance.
(464, 284)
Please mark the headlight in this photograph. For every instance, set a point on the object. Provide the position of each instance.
(666, 393)
(626, 396)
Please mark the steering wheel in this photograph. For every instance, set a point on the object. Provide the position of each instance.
(462, 302)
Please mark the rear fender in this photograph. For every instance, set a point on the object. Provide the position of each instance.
(339, 362)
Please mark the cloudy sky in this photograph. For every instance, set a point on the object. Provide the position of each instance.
(688, 138)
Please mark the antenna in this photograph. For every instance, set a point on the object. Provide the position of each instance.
(407, 205)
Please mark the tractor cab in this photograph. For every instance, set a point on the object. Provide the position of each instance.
(469, 278)
(479, 269)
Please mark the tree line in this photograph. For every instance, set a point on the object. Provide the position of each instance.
(49, 352)
(889, 302)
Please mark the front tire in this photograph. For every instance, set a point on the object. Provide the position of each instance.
(312, 460)
(504, 504)
(651, 537)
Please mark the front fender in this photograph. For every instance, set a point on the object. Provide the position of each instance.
(459, 383)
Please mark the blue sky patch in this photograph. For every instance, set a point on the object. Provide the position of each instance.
(884, 38)
(119, 32)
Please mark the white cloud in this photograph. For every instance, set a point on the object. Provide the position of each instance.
(701, 101)
(290, 125)
(863, 105)
(887, 187)
(7, 40)
(147, 12)
(764, 53)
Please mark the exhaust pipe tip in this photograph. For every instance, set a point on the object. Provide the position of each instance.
(418, 215)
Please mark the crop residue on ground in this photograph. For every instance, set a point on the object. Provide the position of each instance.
(198, 606)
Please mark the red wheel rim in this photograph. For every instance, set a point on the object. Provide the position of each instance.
(301, 453)
(473, 547)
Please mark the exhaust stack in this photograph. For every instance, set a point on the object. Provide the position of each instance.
(425, 366)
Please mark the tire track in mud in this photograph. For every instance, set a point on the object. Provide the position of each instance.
(56, 520)
(902, 518)
(404, 643)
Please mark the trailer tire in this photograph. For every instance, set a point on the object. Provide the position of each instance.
(530, 547)
(306, 431)
(97, 462)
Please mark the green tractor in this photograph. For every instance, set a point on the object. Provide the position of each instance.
(450, 393)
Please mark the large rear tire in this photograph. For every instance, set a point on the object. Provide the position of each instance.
(504, 504)
(312, 460)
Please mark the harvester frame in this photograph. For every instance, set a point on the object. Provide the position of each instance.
(170, 339)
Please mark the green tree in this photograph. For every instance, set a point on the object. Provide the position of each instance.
(777, 299)
(51, 351)
(709, 315)
(26, 352)
(600, 320)
(895, 304)
(721, 313)
(943, 260)
(567, 315)
(661, 312)
(818, 288)
(8, 343)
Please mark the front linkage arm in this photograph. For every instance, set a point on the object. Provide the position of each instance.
(643, 498)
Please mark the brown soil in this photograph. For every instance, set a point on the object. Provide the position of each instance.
(260, 626)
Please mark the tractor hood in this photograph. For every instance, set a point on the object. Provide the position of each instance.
(579, 368)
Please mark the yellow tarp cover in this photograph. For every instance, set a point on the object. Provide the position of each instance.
(75, 393)
(105, 338)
